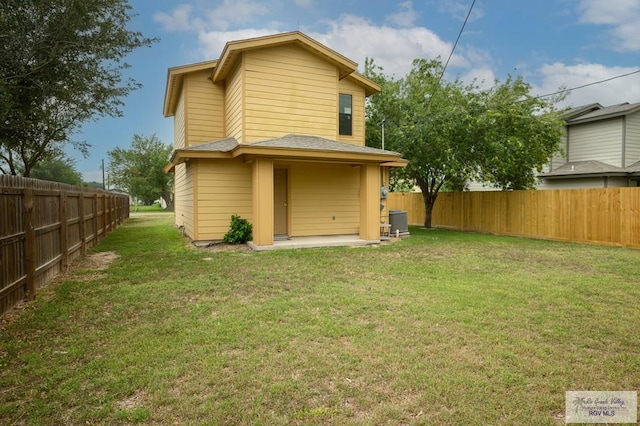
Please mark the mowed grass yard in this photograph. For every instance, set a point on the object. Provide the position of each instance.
(441, 328)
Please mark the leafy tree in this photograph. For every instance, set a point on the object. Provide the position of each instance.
(452, 133)
(94, 185)
(58, 169)
(61, 64)
(139, 170)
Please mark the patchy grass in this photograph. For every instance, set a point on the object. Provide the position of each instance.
(155, 208)
(441, 328)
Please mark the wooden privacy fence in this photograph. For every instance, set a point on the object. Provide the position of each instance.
(44, 226)
(608, 216)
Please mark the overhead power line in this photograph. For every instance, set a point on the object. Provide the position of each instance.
(466, 19)
(587, 85)
(453, 49)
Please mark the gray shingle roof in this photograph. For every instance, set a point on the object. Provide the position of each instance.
(313, 143)
(580, 110)
(634, 168)
(222, 145)
(318, 144)
(591, 167)
(607, 112)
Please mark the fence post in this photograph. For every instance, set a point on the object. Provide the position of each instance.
(30, 240)
(83, 231)
(64, 232)
(107, 222)
(95, 219)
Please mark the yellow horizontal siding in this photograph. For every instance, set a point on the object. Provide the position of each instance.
(273, 96)
(321, 192)
(178, 124)
(283, 84)
(349, 86)
(224, 189)
(233, 104)
(289, 58)
(205, 108)
(267, 127)
(183, 203)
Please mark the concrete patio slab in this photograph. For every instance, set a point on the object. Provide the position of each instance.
(316, 241)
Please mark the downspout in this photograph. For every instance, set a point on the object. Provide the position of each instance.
(624, 141)
(568, 143)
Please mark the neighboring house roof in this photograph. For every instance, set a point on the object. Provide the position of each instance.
(607, 112)
(580, 110)
(580, 169)
(232, 50)
(634, 168)
(290, 146)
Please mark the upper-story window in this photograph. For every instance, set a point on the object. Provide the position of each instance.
(345, 121)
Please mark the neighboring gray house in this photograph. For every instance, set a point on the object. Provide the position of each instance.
(601, 146)
(601, 149)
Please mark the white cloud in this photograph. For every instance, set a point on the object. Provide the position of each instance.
(405, 17)
(625, 89)
(177, 20)
(212, 42)
(459, 10)
(393, 49)
(226, 14)
(621, 15)
(238, 12)
(483, 77)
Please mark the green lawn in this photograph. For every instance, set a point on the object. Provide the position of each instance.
(441, 328)
(155, 208)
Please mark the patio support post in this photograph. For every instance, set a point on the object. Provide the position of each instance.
(263, 202)
(370, 202)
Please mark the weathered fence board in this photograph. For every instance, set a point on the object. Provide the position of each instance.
(608, 216)
(46, 225)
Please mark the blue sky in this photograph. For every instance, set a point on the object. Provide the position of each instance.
(551, 43)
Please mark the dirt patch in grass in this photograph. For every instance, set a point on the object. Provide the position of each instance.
(218, 247)
(101, 261)
(91, 267)
(132, 401)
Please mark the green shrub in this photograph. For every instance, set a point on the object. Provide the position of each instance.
(239, 231)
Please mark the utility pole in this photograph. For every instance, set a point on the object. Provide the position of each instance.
(384, 120)
(103, 187)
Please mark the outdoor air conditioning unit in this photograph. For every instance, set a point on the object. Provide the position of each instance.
(398, 221)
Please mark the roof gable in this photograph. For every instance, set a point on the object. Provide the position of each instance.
(175, 77)
(233, 49)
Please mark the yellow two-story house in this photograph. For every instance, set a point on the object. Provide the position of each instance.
(273, 131)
